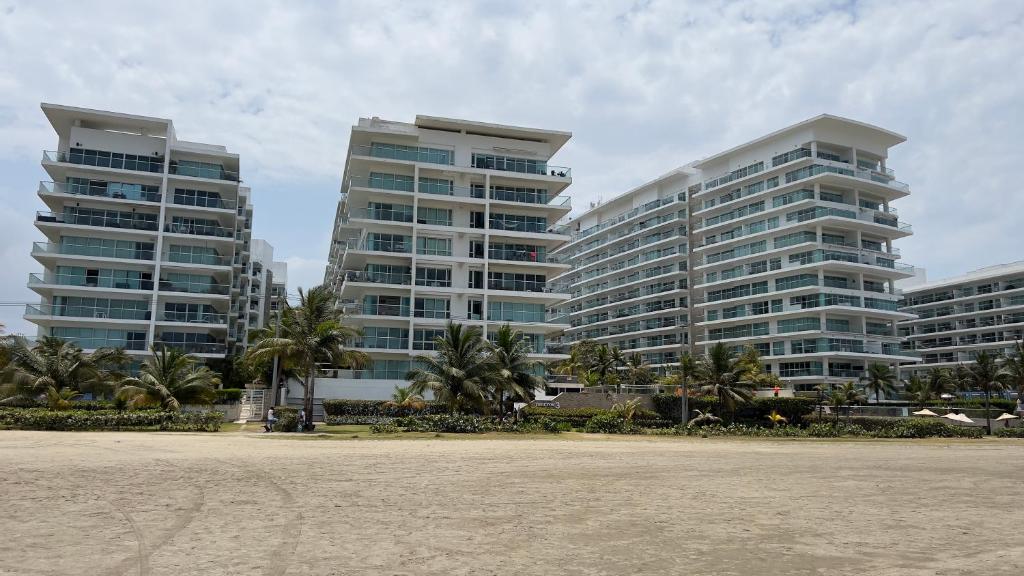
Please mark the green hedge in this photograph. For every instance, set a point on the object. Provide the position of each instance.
(467, 424)
(794, 409)
(891, 428)
(1017, 432)
(375, 408)
(579, 417)
(287, 419)
(884, 427)
(68, 420)
(995, 404)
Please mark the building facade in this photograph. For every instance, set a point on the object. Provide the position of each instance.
(784, 244)
(958, 317)
(629, 276)
(440, 220)
(147, 237)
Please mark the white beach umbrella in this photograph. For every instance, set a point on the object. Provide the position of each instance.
(963, 418)
(1006, 416)
(925, 412)
(951, 416)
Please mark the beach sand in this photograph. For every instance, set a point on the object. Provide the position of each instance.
(231, 503)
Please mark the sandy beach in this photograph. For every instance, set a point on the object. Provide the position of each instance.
(154, 504)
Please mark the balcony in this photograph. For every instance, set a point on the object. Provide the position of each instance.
(83, 281)
(91, 251)
(199, 230)
(201, 259)
(403, 152)
(114, 190)
(192, 347)
(194, 287)
(523, 256)
(404, 216)
(214, 202)
(202, 170)
(104, 159)
(99, 313)
(127, 222)
(378, 278)
(519, 165)
(518, 286)
(194, 317)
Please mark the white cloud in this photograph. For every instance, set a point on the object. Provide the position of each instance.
(644, 86)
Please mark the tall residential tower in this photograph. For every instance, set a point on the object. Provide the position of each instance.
(147, 237)
(440, 220)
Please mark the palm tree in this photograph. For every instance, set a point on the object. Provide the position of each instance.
(687, 370)
(637, 372)
(310, 334)
(515, 379)
(720, 374)
(704, 419)
(941, 381)
(920, 390)
(169, 379)
(53, 362)
(627, 410)
(846, 395)
(607, 360)
(879, 380)
(987, 375)
(1014, 367)
(461, 372)
(580, 360)
(60, 399)
(405, 398)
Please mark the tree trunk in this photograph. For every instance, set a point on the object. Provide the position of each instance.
(988, 416)
(307, 396)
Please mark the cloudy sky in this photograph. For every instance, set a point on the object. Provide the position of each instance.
(643, 86)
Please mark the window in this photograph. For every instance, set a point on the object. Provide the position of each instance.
(87, 187)
(837, 325)
(434, 246)
(515, 312)
(519, 194)
(509, 164)
(378, 305)
(795, 369)
(384, 338)
(795, 238)
(198, 169)
(104, 248)
(195, 255)
(387, 274)
(425, 339)
(118, 160)
(91, 338)
(84, 307)
(516, 281)
(397, 182)
(433, 277)
(518, 223)
(190, 197)
(434, 216)
(388, 212)
(103, 278)
(798, 281)
(798, 325)
(517, 252)
(432, 308)
(411, 153)
(380, 242)
(436, 186)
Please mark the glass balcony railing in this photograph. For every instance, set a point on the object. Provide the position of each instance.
(115, 190)
(199, 230)
(93, 251)
(126, 221)
(194, 317)
(194, 287)
(210, 171)
(193, 347)
(378, 277)
(70, 311)
(81, 280)
(521, 256)
(204, 259)
(104, 159)
(203, 202)
(382, 214)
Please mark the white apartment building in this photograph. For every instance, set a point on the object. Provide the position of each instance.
(147, 237)
(958, 317)
(439, 220)
(790, 250)
(628, 283)
(267, 285)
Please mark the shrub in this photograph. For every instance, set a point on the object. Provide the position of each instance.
(376, 408)
(578, 417)
(228, 396)
(76, 420)
(883, 427)
(349, 420)
(995, 404)
(610, 423)
(385, 427)
(455, 423)
(1017, 432)
(794, 409)
(287, 419)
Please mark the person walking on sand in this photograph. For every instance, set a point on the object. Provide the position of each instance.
(271, 420)
(302, 420)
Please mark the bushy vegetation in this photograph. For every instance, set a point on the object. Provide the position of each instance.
(579, 417)
(228, 396)
(611, 423)
(377, 408)
(467, 424)
(880, 427)
(78, 420)
(890, 428)
(1017, 432)
(287, 419)
(755, 412)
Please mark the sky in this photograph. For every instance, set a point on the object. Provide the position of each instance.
(644, 86)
